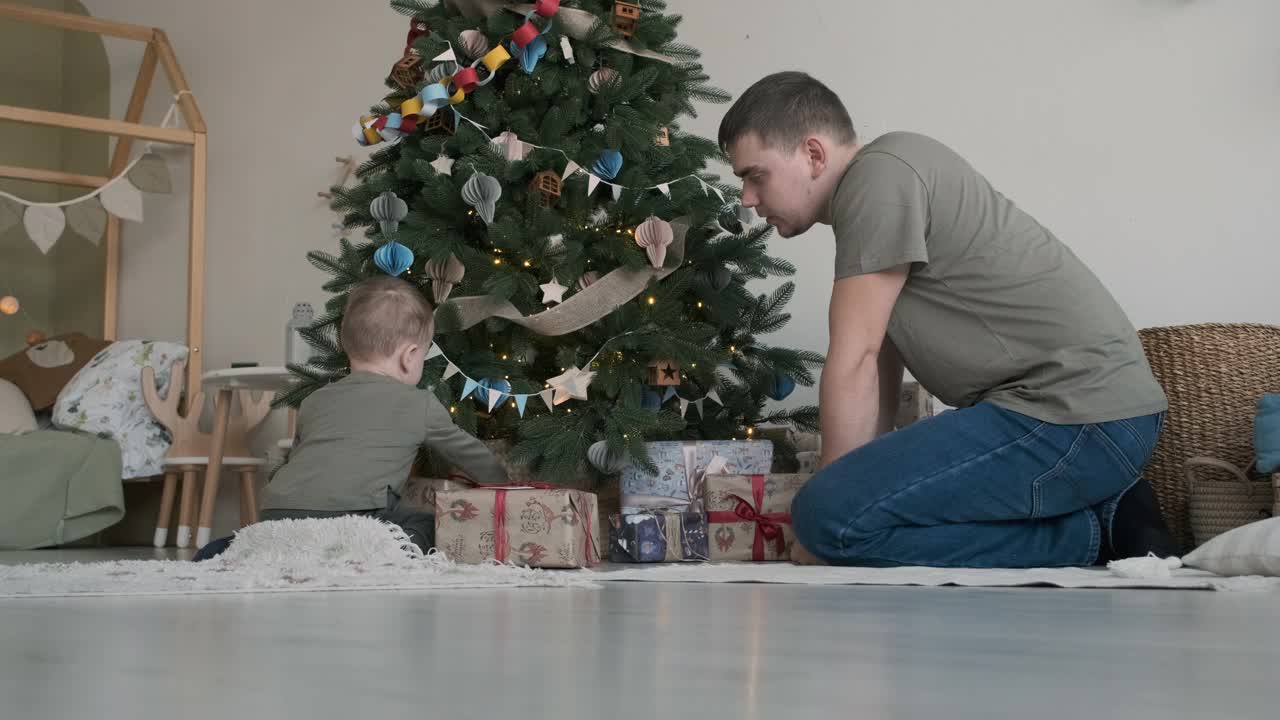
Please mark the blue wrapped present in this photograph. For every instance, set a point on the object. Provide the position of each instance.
(681, 466)
(658, 536)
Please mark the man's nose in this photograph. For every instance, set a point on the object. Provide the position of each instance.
(749, 198)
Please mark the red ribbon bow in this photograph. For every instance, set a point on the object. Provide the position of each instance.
(768, 525)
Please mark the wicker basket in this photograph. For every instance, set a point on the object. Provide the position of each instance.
(1213, 375)
(1218, 506)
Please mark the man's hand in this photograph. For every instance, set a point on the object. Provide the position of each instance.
(850, 397)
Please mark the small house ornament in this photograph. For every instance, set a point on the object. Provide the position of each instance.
(408, 72)
(548, 186)
(625, 17)
(440, 121)
(664, 373)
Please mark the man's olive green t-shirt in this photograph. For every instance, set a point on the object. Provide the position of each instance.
(358, 437)
(995, 308)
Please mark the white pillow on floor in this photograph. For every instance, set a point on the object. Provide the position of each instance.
(16, 416)
(1253, 549)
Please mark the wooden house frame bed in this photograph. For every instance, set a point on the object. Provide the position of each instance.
(158, 53)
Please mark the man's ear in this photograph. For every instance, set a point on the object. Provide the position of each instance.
(815, 151)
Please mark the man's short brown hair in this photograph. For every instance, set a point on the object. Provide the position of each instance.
(784, 109)
(382, 312)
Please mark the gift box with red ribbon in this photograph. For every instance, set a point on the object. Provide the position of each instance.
(533, 525)
(749, 516)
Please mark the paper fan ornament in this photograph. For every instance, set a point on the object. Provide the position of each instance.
(444, 274)
(388, 210)
(482, 192)
(608, 165)
(473, 43)
(602, 78)
(393, 258)
(654, 235)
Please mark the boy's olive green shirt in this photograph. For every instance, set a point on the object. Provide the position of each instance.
(995, 308)
(359, 436)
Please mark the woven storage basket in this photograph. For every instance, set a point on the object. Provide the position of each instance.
(1213, 376)
(1217, 506)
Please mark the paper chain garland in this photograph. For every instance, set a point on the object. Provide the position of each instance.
(571, 385)
(526, 41)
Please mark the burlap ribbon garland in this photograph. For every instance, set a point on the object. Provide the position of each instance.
(592, 303)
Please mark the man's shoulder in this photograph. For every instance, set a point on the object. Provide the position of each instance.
(909, 147)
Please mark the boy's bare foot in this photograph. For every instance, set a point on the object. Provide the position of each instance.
(801, 556)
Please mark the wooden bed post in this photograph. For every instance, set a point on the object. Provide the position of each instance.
(158, 52)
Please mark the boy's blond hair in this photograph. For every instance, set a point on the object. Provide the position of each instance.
(382, 312)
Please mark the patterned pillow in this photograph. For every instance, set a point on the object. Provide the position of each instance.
(105, 399)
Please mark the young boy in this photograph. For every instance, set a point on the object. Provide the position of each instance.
(357, 438)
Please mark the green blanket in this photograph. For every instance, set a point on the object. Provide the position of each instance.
(57, 487)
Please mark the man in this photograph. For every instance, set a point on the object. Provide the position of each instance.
(1057, 409)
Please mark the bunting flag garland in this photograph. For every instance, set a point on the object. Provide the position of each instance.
(572, 384)
(86, 215)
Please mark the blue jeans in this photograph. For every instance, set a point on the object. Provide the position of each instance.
(978, 487)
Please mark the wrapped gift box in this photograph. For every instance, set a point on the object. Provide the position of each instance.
(420, 492)
(749, 516)
(658, 536)
(534, 526)
(682, 464)
(915, 405)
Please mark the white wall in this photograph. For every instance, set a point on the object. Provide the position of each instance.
(1143, 132)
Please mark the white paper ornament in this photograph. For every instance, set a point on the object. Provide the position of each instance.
(44, 225)
(602, 78)
(655, 235)
(88, 219)
(552, 292)
(482, 192)
(567, 48)
(443, 165)
(473, 43)
(122, 199)
(513, 148)
(604, 461)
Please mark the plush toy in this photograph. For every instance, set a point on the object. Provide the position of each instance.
(41, 371)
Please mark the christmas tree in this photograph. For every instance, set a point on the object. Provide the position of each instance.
(530, 176)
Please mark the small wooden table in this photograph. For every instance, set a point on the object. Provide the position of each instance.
(226, 383)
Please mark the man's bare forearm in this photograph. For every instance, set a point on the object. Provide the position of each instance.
(849, 407)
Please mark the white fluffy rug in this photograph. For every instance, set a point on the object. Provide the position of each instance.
(785, 573)
(348, 553)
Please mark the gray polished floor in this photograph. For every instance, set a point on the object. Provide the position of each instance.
(646, 651)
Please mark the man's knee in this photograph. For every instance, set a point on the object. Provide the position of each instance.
(814, 516)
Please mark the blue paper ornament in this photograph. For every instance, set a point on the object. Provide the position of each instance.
(780, 387)
(650, 399)
(393, 258)
(484, 386)
(608, 165)
(530, 54)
